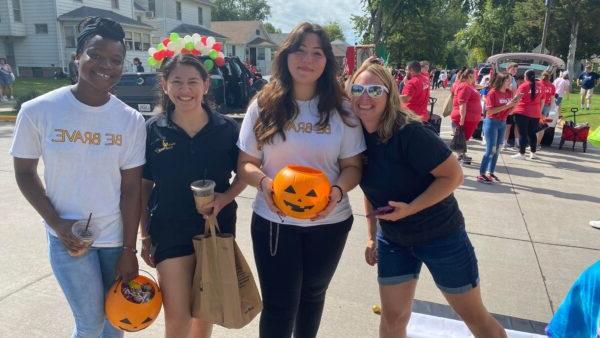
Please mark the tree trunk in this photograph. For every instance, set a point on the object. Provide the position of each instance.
(377, 24)
(572, 48)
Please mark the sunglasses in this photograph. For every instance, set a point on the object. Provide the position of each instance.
(373, 91)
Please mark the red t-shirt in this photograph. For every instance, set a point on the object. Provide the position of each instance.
(497, 99)
(527, 106)
(415, 88)
(466, 93)
(549, 92)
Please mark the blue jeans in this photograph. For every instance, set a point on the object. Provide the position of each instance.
(493, 131)
(84, 281)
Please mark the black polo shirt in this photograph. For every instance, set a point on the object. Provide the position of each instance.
(400, 170)
(174, 160)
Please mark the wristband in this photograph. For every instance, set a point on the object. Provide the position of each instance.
(130, 249)
(341, 192)
(260, 188)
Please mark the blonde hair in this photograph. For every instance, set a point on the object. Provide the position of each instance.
(394, 116)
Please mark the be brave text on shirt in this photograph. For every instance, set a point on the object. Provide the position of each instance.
(86, 137)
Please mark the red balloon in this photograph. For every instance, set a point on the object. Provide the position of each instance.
(220, 62)
(158, 56)
(165, 42)
(217, 46)
(186, 51)
(195, 52)
(169, 53)
(203, 40)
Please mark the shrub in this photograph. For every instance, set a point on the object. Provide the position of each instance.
(24, 98)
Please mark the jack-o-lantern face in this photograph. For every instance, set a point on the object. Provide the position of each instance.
(127, 315)
(301, 192)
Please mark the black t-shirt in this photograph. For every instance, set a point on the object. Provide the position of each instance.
(174, 160)
(400, 170)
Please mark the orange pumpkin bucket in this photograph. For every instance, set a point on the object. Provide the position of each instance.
(135, 305)
(301, 192)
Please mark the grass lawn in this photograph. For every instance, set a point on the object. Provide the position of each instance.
(591, 116)
(23, 86)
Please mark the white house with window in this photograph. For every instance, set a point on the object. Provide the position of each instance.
(37, 37)
(248, 40)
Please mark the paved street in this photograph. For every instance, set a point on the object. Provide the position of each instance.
(530, 233)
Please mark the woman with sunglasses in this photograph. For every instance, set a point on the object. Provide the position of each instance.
(412, 215)
(299, 118)
(93, 148)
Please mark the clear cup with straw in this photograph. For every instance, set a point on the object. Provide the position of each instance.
(86, 232)
(204, 193)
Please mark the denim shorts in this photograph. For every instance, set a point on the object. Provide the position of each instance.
(450, 259)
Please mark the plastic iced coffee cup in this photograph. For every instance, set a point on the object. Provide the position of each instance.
(204, 193)
(87, 234)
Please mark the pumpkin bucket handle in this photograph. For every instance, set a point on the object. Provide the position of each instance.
(116, 285)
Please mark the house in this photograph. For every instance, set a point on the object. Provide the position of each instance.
(248, 40)
(38, 36)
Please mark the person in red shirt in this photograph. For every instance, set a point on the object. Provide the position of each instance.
(414, 93)
(528, 113)
(499, 102)
(549, 93)
(426, 80)
(466, 107)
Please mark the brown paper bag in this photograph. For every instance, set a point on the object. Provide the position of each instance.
(224, 291)
(447, 107)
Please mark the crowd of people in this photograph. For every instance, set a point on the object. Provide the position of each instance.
(368, 134)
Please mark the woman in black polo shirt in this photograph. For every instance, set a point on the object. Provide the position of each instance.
(410, 170)
(187, 143)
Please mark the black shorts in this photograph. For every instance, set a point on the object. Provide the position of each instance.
(510, 119)
(172, 238)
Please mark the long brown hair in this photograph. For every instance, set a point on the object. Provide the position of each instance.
(499, 79)
(394, 116)
(276, 100)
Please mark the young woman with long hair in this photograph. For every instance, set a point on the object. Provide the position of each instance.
(411, 171)
(299, 117)
(187, 142)
(466, 107)
(528, 113)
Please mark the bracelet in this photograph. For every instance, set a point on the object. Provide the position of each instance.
(260, 188)
(130, 249)
(341, 192)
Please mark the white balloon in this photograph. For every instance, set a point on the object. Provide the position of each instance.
(188, 39)
(152, 50)
(204, 50)
(195, 38)
(210, 41)
(220, 55)
(172, 46)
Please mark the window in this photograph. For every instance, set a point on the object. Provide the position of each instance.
(145, 42)
(258, 32)
(114, 4)
(200, 20)
(152, 5)
(41, 28)
(70, 36)
(233, 50)
(137, 41)
(17, 10)
(261, 53)
(128, 40)
(139, 18)
(178, 9)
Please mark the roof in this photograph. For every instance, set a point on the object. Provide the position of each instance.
(138, 7)
(240, 32)
(261, 42)
(339, 47)
(85, 11)
(278, 38)
(191, 29)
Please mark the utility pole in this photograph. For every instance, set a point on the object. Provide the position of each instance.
(545, 31)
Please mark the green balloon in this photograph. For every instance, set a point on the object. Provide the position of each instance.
(189, 46)
(213, 54)
(160, 46)
(152, 62)
(174, 36)
(209, 64)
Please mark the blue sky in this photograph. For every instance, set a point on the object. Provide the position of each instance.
(285, 14)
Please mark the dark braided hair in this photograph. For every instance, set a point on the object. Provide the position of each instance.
(530, 76)
(106, 28)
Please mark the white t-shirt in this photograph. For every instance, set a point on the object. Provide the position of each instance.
(84, 149)
(562, 86)
(308, 146)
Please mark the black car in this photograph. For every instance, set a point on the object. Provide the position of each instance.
(231, 88)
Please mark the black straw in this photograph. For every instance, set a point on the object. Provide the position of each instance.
(88, 222)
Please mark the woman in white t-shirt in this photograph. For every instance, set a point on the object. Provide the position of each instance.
(93, 147)
(299, 118)
(563, 87)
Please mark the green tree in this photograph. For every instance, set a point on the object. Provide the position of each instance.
(232, 10)
(334, 30)
(270, 28)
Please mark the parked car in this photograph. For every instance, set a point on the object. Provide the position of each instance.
(231, 88)
(535, 61)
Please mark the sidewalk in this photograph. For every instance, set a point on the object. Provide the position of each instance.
(7, 107)
(530, 233)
